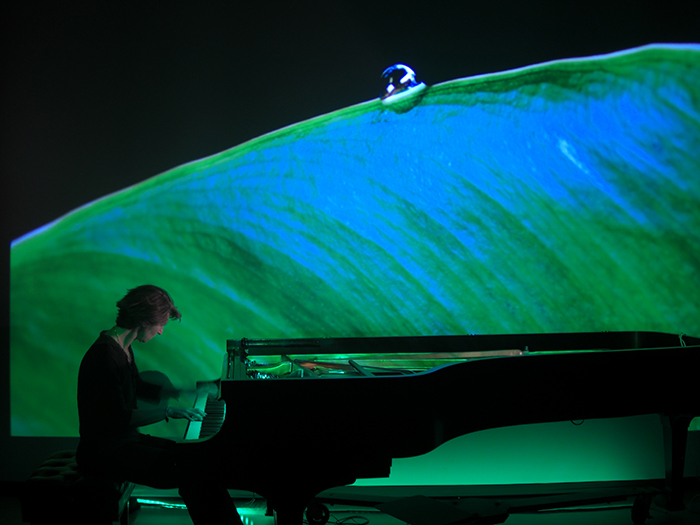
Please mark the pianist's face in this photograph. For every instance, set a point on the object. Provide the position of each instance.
(147, 332)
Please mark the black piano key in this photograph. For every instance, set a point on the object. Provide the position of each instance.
(216, 413)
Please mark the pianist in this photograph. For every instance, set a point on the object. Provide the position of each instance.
(110, 442)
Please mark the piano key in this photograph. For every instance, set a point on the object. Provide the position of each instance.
(211, 424)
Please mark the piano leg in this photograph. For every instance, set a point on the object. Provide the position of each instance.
(289, 499)
(288, 512)
(675, 443)
(209, 504)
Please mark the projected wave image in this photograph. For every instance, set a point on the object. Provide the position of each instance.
(561, 197)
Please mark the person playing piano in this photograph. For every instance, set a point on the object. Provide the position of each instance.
(110, 442)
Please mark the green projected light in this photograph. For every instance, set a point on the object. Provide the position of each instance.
(561, 197)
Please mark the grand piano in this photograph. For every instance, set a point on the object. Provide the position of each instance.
(294, 417)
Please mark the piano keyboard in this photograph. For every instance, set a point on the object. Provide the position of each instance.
(216, 413)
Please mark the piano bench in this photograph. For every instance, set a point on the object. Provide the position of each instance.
(57, 492)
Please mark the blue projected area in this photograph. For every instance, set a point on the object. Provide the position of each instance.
(561, 197)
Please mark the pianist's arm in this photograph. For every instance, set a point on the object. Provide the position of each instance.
(160, 392)
(147, 416)
(203, 389)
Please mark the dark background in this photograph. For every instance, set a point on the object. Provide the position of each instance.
(98, 96)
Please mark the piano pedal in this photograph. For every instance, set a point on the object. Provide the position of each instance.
(317, 513)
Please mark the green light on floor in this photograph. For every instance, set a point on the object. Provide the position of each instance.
(242, 511)
(162, 504)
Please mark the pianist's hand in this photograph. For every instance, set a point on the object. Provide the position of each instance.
(193, 414)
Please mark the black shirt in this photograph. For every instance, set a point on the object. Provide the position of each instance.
(108, 385)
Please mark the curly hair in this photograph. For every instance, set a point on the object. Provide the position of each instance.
(147, 305)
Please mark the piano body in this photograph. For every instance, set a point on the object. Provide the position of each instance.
(306, 415)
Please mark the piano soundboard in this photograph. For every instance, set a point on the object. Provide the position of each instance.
(347, 357)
